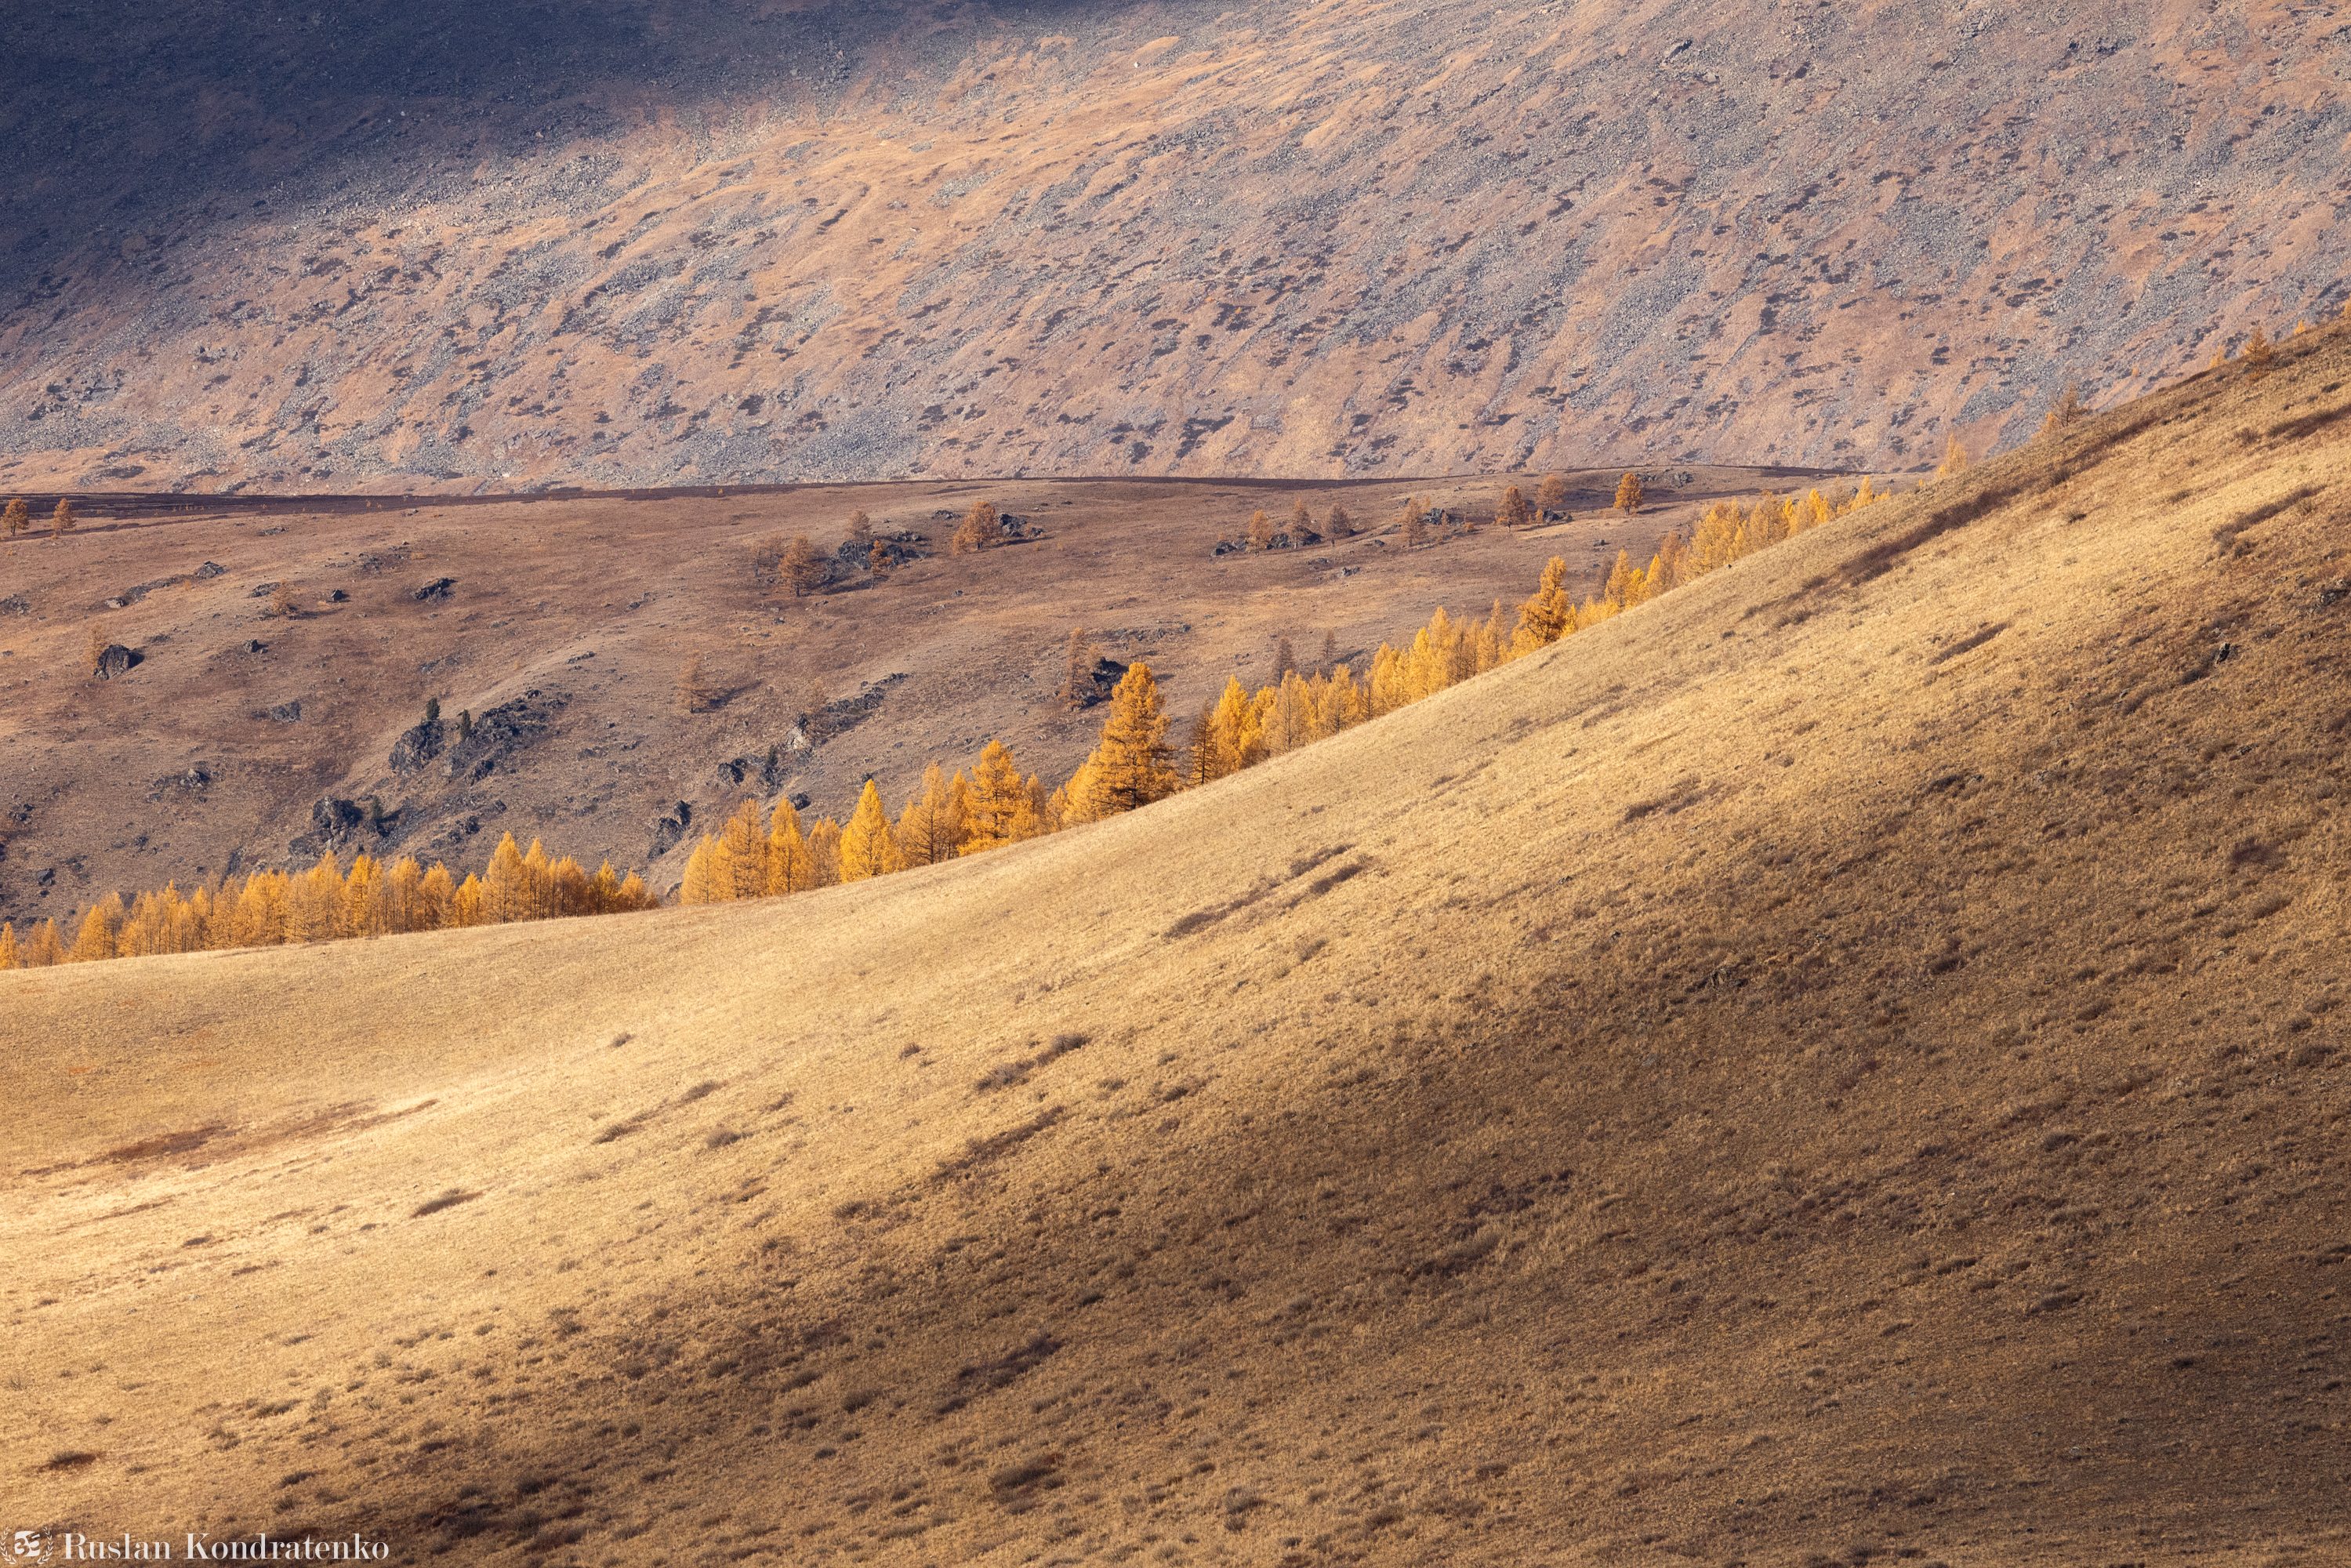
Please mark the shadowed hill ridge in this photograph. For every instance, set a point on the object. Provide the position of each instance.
(704, 243)
(1842, 1061)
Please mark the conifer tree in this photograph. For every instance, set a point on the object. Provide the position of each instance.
(634, 894)
(802, 568)
(1285, 657)
(537, 884)
(437, 897)
(708, 880)
(43, 950)
(7, 946)
(878, 559)
(1260, 531)
(1077, 685)
(281, 602)
(931, 828)
(1130, 763)
(62, 520)
(1553, 497)
(16, 519)
(1630, 494)
(824, 853)
(2068, 411)
(505, 888)
(403, 898)
(569, 890)
(467, 905)
(788, 852)
(1338, 525)
(2258, 354)
(1548, 616)
(1235, 739)
(1330, 659)
(860, 529)
(1514, 512)
(1416, 523)
(979, 530)
(604, 890)
(1621, 586)
(1301, 522)
(996, 799)
(867, 846)
(693, 690)
(95, 941)
(361, 902)
(746, 853)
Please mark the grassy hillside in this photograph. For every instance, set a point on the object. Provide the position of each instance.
(1840, 1062)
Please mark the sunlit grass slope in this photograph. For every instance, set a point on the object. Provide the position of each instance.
(1840, 1061)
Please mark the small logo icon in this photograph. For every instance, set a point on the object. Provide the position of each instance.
(28, 1546)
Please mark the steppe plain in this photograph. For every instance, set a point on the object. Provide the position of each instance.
(1841, 1063)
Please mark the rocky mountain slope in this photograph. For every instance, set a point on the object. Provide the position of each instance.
(242, 739)
(446, 248)
(1842, 1063)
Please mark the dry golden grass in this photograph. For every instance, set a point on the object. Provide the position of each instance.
(1842, 1061)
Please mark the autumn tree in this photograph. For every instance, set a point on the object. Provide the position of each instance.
(1329, 649)
(693, 688)
(281, 601)
(1260, 531)
(878, 560)
(802, 568)
(7, 946)
(1514, 512)
(867, 846)
(979, 530)
(1955, 459)
(16, 519)
(2259, 353)
(1077, 684)
(94, 942)
(1338, 525)
(996, 802)
(935, 823)
(62, 520)
(1553, 497)
(1130, 766)
(1629, 494)
(788, 866)
(1550, 614)
(1416, 523)
(1301, 522)
(1285, 657)
(860, 529)
(2066, 413)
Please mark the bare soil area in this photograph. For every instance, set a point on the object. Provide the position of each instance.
(1842, 1062)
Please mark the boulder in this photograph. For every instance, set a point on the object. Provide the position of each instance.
(254, 646)
(210, 570)
(114, 661)
(668, 830)
(418, 747)
(335, 821)
(15, 604)
(437, 587)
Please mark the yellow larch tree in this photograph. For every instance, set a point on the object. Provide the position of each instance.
(867, 846)
(1630, 494)
(1129, 762)
(932, 828)
(996, 800)
(788, 869)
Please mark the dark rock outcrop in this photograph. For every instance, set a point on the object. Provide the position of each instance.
(418, 747)
(15, 604)
(114, 660)
(437, 587)
(335, 821)
(510, 727)
(288, 713)
(668, 830)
